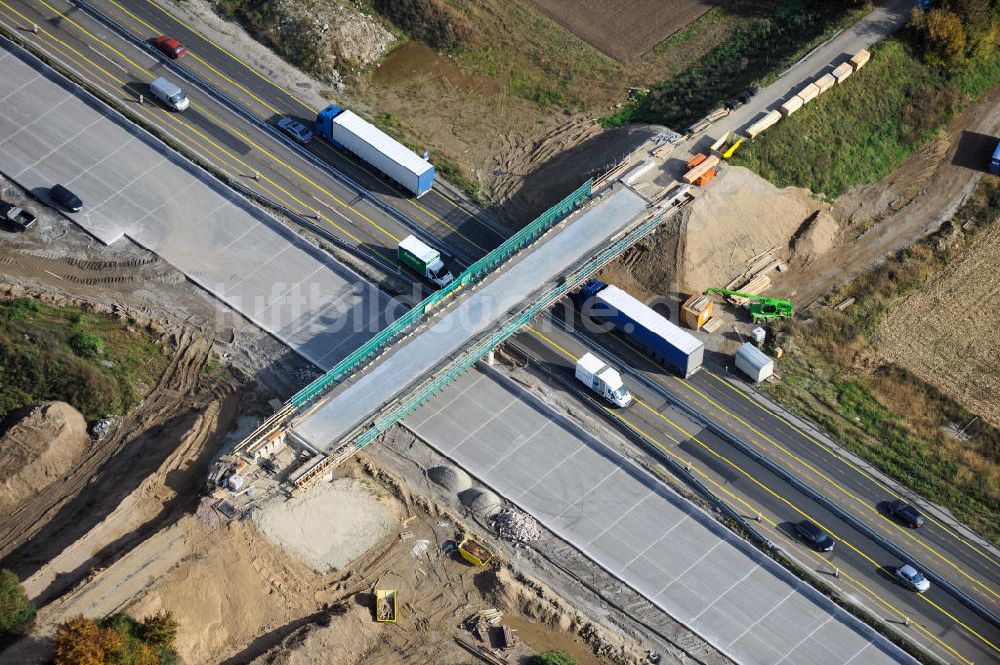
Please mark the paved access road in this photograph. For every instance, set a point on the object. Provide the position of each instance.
(132, 185)
(939, 621)
(626, 520)
(235, 142)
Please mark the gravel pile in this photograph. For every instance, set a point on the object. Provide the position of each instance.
(515, 525)
(482, 502)
(450, 478)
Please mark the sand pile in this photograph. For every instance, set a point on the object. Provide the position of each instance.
(39, 449)
(450, 478)
(330, 524)
(817, 236)
(738, 216)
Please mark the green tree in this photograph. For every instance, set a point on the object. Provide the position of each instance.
(15, 608)
(159, 630)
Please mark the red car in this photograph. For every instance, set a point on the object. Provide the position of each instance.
(171, 47)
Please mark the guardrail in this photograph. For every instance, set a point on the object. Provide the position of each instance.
(471, 274)
(481, 348)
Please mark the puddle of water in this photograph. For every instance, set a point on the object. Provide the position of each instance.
(415, 59)
(541, 638)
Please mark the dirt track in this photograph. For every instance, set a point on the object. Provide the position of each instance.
(907, 204)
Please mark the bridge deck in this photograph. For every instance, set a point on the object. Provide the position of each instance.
(326, 425)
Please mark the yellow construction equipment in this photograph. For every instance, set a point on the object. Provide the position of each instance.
(727, 145)
(474, 552)
(385, 605)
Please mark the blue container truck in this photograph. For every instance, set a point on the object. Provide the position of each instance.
(661, 339)
(348, 131)
(995, 163)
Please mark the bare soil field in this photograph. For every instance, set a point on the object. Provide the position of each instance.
(945, 332)
(623, 29)
(240, 598)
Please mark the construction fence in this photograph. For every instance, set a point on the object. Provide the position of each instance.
(473, 273)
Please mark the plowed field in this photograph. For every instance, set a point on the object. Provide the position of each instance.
(623, 29)
(946, 332)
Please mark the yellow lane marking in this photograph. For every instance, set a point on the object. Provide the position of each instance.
(211, 116)
(223, 50)
(552, 344)
(865, 505)
(196, 57)
(767, 489)
(276, 111)
(174, 118)
(824, 448)
(810, 554)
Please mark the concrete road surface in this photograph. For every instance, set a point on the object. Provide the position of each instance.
(132, 185)
(685, 562)
(324, 426)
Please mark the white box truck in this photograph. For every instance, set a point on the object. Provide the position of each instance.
(602, 379)
(169, 93)
(424, 259)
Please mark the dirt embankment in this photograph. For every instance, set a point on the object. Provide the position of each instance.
(41, 446)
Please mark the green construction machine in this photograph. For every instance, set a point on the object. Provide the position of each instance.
(761, 308)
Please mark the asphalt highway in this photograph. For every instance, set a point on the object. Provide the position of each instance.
(937, 619)
(234, 138)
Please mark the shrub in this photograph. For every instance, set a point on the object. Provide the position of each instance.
(86, 345)
(551, 658)
(430, 21)
(15, 608)
(117, 640)
(942, 37)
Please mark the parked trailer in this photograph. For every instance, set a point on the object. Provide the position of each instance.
(753, 362)
(347, 131)
(660, 338)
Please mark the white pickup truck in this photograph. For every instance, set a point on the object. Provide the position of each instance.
(602, 379)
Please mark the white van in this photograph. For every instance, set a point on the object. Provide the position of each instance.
(169, 93)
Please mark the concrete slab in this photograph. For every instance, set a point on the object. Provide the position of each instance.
(132, 185)
(325, 426)
(655, 541)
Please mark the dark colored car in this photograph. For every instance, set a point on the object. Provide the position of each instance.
(170, 47)
(813, 535)
(906, 514)
(747, 94)
(66, 198)
(733, 104)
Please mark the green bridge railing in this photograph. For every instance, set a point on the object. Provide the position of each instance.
(472, 274)
(473, 355)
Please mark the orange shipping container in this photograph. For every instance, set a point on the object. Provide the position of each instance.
(696, 310)
(700, 169)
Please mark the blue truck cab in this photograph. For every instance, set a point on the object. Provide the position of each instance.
(323, 122)
(995, 163)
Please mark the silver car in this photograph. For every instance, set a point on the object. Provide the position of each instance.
(912, 578)
(295, 129)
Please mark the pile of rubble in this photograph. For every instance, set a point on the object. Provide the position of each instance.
(515, 525)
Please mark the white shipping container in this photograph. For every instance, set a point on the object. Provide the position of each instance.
(768, 120)
(791, 106)
(754, 363)
(860, 59)
(808, 93)
(382, 151)
(825, 82)
(842, 71)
